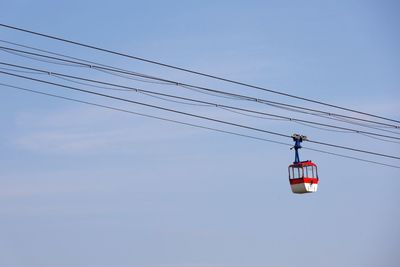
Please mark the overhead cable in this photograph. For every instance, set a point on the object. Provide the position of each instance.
(192, 71)
(290, 107)
(115, 86)
(197, 116)
(190, 124)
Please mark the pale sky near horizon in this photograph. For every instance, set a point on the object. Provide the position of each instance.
(84, 186)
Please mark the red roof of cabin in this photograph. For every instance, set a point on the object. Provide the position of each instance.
(303, 163)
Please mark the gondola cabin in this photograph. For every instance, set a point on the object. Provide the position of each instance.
(303, 177)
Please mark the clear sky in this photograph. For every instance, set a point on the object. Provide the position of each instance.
(83, 186)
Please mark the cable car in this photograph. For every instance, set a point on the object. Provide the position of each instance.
(303, 175)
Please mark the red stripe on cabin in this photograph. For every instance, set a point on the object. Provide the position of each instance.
(304, 180)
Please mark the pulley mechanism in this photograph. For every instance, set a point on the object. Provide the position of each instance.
(297, 138)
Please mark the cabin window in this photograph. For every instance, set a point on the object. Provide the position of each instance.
(309, 171)
(291, 173)
(298, 172)
(315, 172)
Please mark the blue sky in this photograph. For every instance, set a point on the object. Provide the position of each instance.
(83, 186)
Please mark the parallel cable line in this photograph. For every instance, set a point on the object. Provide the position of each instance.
(197, 116)
(185, 85)
(193, 72)
(147, 105)
(147, 79)
(349, 157)
(166, 83)
(207, 103)
(189, 124)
